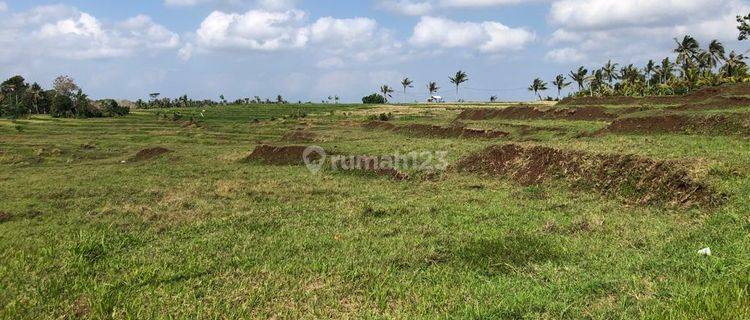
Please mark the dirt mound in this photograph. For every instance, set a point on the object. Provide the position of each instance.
(286, 155)
(699, 97)
(680, 123)
(726, 102)
(633, 177)
(422, 130)
(4, 216)
(150, 153)
(299, 136)
(531, 112)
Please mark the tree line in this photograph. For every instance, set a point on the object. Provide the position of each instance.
(693, 67)
(65, 100)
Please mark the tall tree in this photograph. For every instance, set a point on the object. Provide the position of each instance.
(743, 27)
(406, 83)
(432, 87)
(733, 64)
(667, 69)
(537, 86)
(648, 70)
(458, 79)
(717, 53)
(579, 77)
(386, 91)
(609, 71)
(560, 84)
(686, 50)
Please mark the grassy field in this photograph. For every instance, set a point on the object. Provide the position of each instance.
(87, 232)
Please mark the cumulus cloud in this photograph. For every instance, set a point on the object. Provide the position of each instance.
(65, 32)
(253, 30)
(637, 30)
(488, 37)
(425, 7)
(407, 7)
(262, 4)
(334, 41)
(565, 55)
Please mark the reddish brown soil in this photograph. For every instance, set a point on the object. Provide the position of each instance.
(522, 112)
(422, 130)
(633, 177)
(287, 155)
(293, 155)
(707, 98)
(681, 123)
(150, 153)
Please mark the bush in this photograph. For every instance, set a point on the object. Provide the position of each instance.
(110, 108)
(374, 99)
(381, 117)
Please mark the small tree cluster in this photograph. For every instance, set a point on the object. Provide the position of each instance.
(19, 99)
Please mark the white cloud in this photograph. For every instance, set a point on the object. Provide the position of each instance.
(638, 30)
(407, 7)
(3, 6)
(334, 42)
(604, 14)
(253, 30)
(488, 37)
(565, 55)
(65, 32)
(480, 3)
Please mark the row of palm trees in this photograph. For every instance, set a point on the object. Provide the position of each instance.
(458, 79)
(693, 68)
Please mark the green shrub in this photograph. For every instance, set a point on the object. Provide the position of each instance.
(374, 99)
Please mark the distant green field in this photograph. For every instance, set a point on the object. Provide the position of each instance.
(87, 232)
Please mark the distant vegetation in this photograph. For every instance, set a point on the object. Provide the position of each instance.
(65, 100)
(692, 68)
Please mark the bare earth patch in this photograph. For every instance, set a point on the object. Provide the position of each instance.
(423, 130)
(150, 153)
(633, 177)
(680, 123)
(522, 112)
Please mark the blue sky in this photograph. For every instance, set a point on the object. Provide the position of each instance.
(307, 50)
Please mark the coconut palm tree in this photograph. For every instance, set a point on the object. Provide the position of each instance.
(648, 70)
(537, 86)
(36, 93)
(717, 53)
(458, 79)
(579, 77)
(686, 50)
(560, 84)
(432, 87)
(406, 83)
(609, 71)
(733, 64)
(667, 69)
(386, 91)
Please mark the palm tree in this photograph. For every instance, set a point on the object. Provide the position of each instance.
(733, 64)
(667, 68)
(432, 87)
(648, 70)
(386, 91)
(406, 83)
(36, 93)
(560, 84)
(336, 99)
(458, 79)
(596, 79)
(609, 71)
(686, 50)
(538, 85)
(579, 77)
(716, 53)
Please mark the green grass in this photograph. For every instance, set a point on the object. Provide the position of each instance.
(198, 233)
